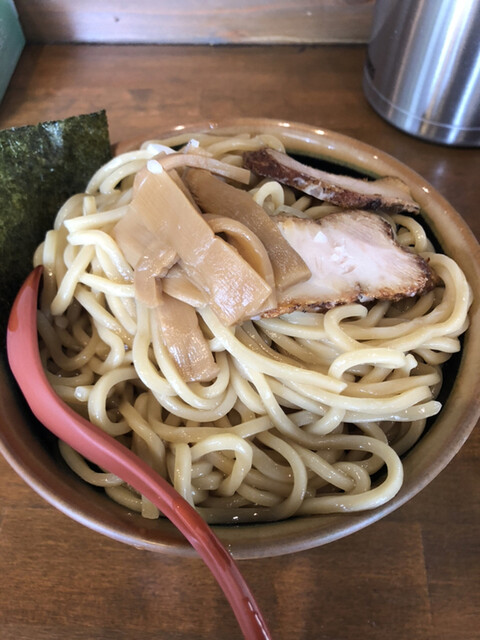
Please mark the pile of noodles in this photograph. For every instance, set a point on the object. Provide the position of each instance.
(305, 408)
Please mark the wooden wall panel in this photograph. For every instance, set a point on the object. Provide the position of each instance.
(196, 21)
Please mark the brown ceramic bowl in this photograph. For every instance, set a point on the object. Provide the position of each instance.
(32, 452)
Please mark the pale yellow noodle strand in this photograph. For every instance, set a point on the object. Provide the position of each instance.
(110, 182)
(71, 208)
(110, 167)
(268, 489)
(291, 505)
(265, 365)
(64, 362)
(271, 469)
(184, 411)
(144, 367)
(105, 266)
(103, 285)
(376, 496)
(116, 355)
(375, 314)
(77, 463)
(182, 475)
(121, 314)
(411, 437)
(240, 144)
(395, 402)
(97, 237)
(221, 382)
(95, 220)
(385, 357)
(125, 497)
(416, 412)
(336, 334)
(333, 417)
(155, 445)
(243, 458)
(306, 331)
(47, 257)
(98, 312)
(295, 349)
(420, 241)
(328, 472)
(360, 476)
(389, 387)
(259, 497)
(421, 308)
(97, 401)
(271, 190)
(278, 416)
(458, 290)
(85, 377)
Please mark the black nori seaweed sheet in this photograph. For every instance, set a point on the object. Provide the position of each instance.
(40, 167)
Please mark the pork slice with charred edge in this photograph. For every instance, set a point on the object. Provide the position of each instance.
(353, 257)
(388, 194)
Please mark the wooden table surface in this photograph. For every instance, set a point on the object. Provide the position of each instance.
(413, 575)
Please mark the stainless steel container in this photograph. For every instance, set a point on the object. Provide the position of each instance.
(422, 72)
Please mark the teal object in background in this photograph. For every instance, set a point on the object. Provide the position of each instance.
(12, 42)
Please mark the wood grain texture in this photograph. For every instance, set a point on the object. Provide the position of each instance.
(414, 574)
(190, 21)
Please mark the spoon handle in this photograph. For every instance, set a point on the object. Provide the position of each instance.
(100, 448)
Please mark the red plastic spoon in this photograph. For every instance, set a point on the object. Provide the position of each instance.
(105, 451)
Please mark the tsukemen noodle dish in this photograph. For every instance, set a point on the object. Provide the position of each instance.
(268, 335)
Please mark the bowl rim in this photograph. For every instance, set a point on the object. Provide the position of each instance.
(438, 446)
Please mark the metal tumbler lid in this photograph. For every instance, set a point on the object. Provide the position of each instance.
(422, 72)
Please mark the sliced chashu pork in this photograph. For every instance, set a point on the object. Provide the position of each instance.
(386, 194)
(353, 257)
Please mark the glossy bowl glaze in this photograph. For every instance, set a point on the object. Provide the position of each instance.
(33, 452)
